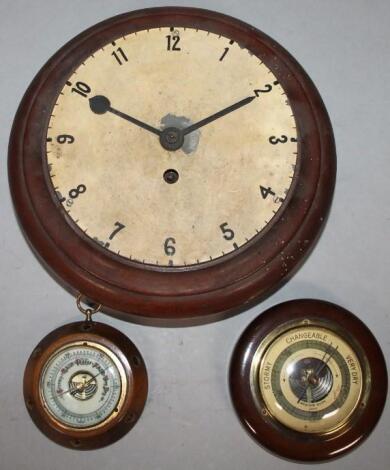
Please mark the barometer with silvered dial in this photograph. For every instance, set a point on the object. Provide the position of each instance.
(172, 163)
(308, 380)
(85, 385)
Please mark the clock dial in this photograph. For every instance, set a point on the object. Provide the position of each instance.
(172, 146)
(83, 385)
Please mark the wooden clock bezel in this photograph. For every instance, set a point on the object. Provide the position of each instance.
(134, 400)
(150, 294)
(272, 434)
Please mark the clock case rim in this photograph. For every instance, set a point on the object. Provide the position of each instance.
(134, 400)
(183, 295)
(273, 435)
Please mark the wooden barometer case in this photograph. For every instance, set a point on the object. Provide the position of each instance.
(308, 380)
(85, 385)
(173, 164)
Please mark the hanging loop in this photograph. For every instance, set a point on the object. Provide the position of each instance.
(88, 312)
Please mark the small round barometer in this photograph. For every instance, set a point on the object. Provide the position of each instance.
(85, 385)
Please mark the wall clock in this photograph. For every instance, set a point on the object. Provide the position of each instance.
(172, 164)
(308, 380)
(85, 385)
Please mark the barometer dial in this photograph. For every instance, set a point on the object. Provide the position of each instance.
(85, 385)
(172, 164)
(308, 380)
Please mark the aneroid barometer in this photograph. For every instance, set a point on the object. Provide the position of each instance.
(85, 385)
(172, 163)
(308, 380)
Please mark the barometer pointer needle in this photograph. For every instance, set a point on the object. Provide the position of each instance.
(100, 105)
(319, 370)
(84, 385)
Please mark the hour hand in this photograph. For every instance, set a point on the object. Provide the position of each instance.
(100, 105)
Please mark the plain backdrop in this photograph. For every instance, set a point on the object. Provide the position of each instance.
(189, 422)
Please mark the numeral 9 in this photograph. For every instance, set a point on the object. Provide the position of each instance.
(65, 139)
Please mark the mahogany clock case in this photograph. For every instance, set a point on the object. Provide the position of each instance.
(134, 401)
(275, 436)
(147, 293)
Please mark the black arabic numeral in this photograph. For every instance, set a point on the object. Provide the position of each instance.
(224, 54)
(120, 56)
(266, 191)
(119, 227)
(82, 89)
(169, 248)
(228, 233)
(65, 139)
(172, 43)
(275, 140)
(75, 192)
(267, 88)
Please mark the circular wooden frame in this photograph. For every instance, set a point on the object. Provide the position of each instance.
(194, 294)
(274, 435)
(134, 400)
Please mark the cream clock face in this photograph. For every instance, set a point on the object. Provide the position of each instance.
(172, 146)
(83, 385)
(310, 379)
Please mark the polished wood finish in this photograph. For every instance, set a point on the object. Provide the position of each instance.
(272, 434)
(186, 295)
(135, 398)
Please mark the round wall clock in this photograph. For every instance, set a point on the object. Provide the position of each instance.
(85, 385)
(308, 380)
(172, 163)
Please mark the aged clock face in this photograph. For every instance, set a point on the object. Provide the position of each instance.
(156, 190)
(83, 385)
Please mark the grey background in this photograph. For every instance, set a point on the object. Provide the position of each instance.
(189, 422)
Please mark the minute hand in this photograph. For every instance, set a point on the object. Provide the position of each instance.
(218, 115)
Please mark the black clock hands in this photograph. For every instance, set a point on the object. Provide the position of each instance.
(218, 115)
(171, 138)
(100, 105)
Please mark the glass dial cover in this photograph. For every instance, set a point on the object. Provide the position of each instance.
(82, 385)
(310, 379)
